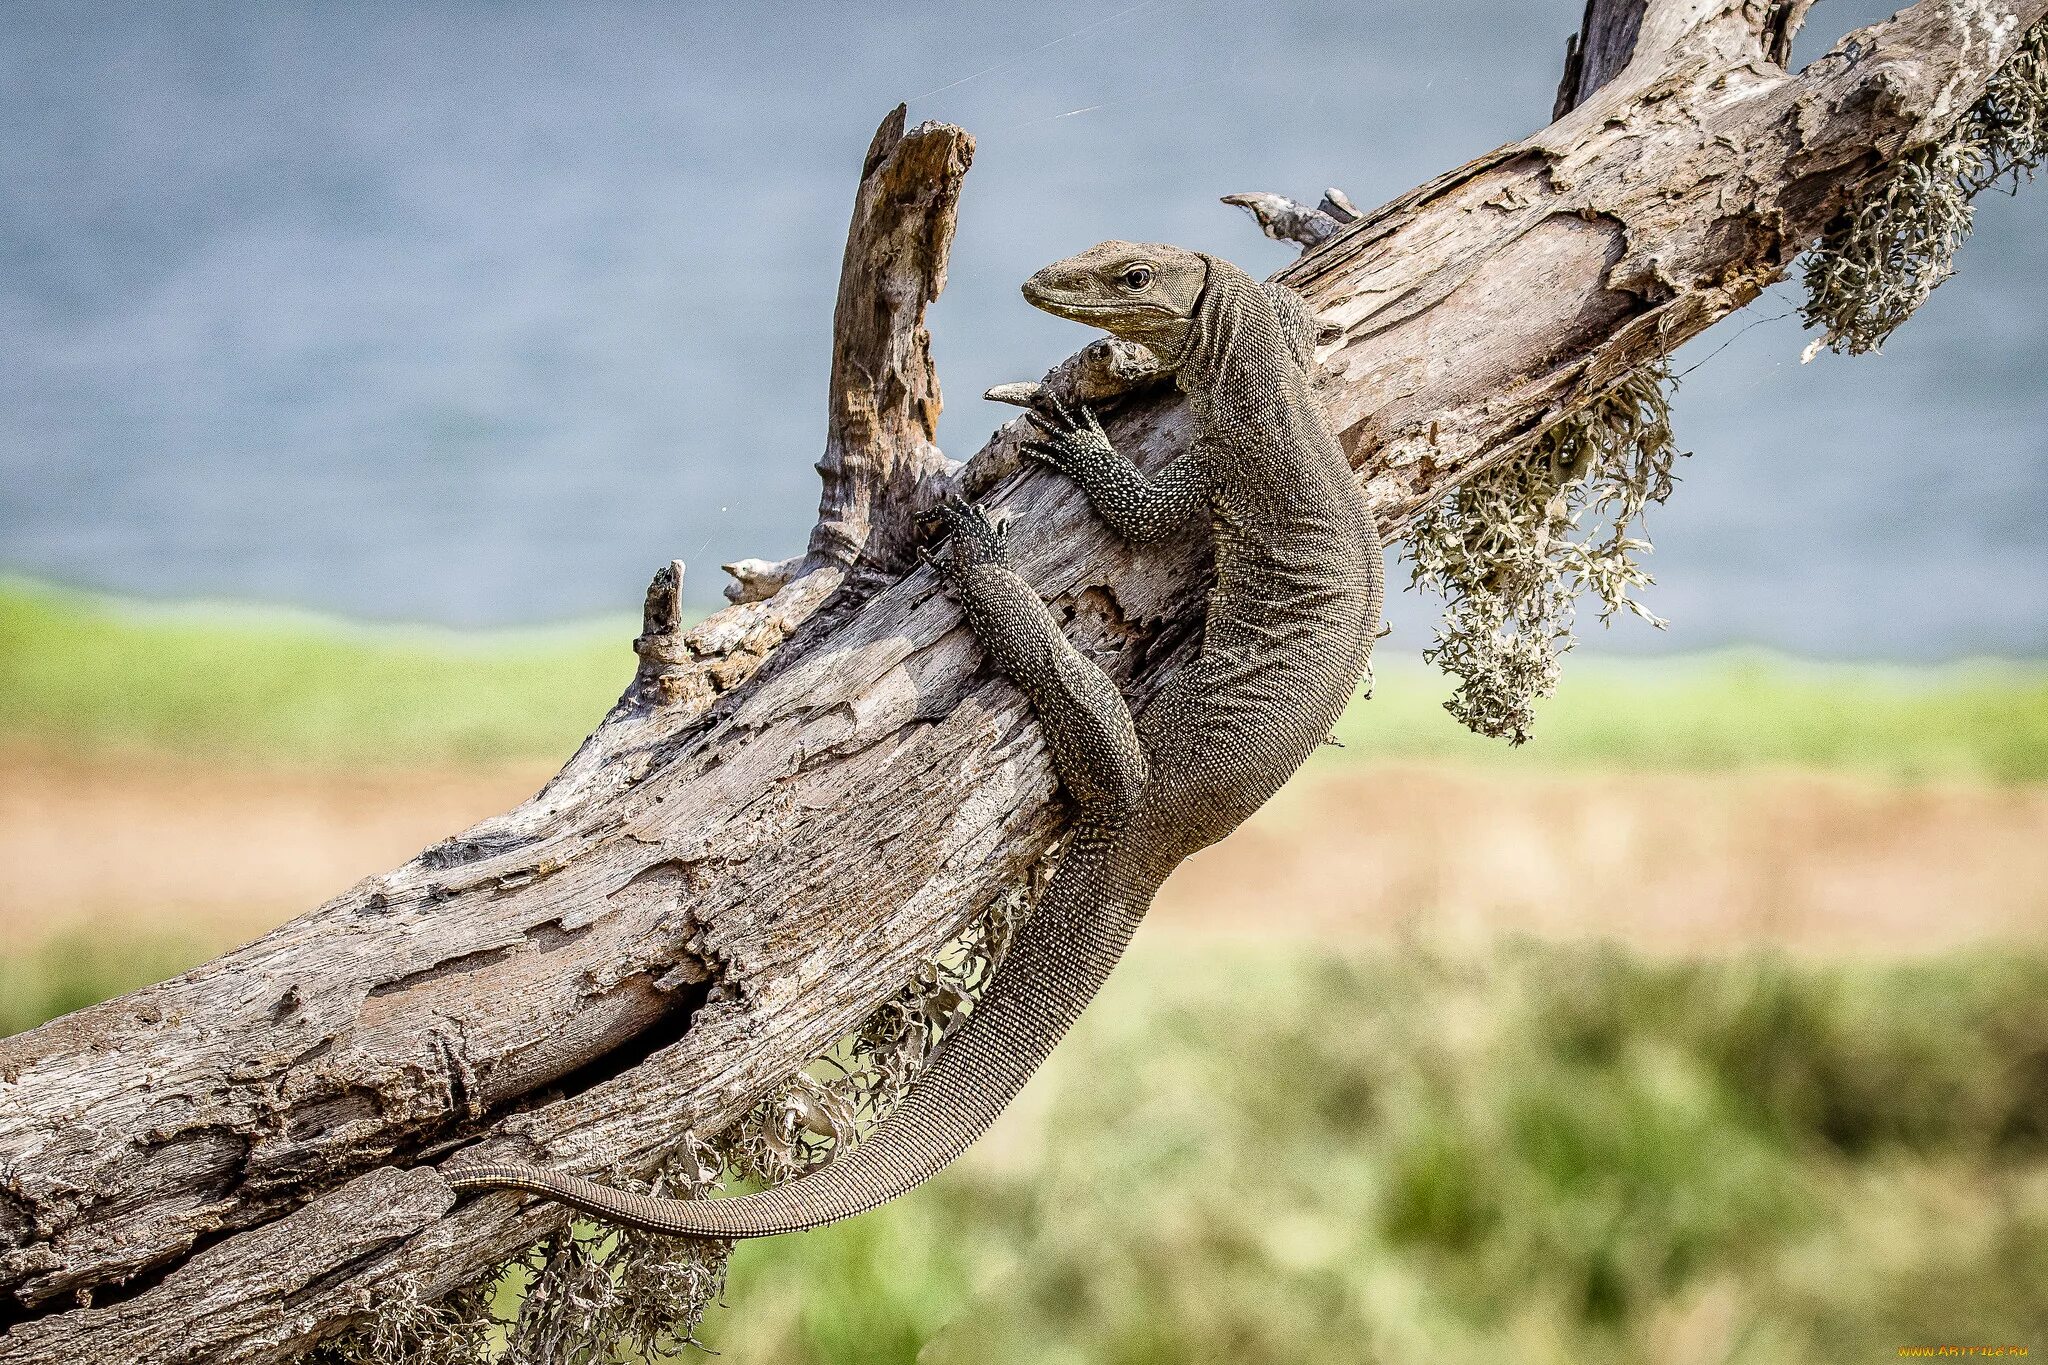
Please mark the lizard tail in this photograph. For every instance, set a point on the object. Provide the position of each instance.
(1057, 962)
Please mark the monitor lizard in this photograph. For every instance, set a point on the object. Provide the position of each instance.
(1291, 621)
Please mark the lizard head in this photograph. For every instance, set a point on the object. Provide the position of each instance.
(1139, 291)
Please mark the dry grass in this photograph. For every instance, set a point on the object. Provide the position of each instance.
(195, 857)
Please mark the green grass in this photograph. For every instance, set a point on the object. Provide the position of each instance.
(1296, 1154)
(78, 671)
(1984, 720)
(84, 964)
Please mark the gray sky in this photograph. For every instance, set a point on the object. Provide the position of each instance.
(478, 312)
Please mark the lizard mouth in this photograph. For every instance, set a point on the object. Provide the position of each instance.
(1050, 300)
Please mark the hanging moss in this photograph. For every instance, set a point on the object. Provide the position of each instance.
(1506, 550)
(1879, 261)
(409, 1330)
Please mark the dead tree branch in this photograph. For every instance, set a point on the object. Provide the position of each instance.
(780, 820)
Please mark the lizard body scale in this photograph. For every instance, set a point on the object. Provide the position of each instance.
(1291, 620)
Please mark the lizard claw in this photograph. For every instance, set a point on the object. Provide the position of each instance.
(1073, 437)
(971, 539)
(1045, 453)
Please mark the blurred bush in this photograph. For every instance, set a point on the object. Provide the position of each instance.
(1528, 1153)
(1534, 1155)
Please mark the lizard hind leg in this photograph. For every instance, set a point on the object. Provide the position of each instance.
(1088, 727)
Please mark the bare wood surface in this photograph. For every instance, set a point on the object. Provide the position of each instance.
(788, 812)
(1611, 36)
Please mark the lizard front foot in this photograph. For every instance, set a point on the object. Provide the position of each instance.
(1074, 441)
(971, 540)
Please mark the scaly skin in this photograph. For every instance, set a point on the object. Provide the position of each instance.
(1291, 621)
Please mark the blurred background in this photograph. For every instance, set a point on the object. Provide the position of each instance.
(363, 361)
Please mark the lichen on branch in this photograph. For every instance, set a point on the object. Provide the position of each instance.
(1507, 550)
(826, 1107)
(1881, 259)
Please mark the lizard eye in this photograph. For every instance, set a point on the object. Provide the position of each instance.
(1137, 277)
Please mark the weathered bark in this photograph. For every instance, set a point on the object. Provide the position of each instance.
(745, 859)
(1593, 56)
(1611, 34)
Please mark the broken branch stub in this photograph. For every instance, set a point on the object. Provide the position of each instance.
(881, 468)
(1285, 220)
